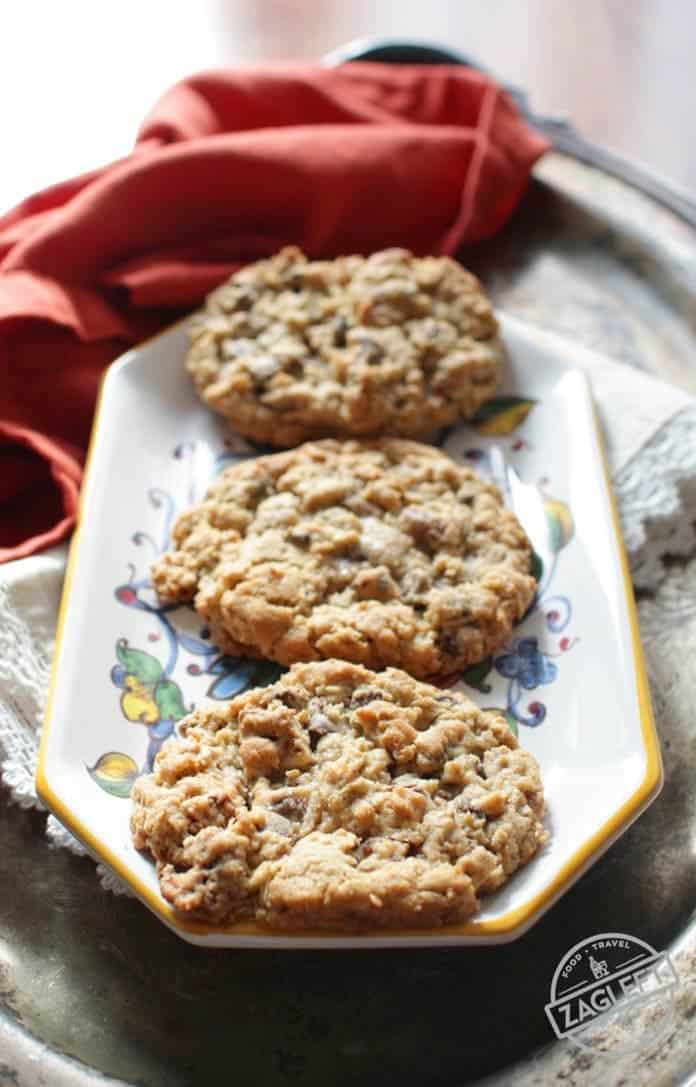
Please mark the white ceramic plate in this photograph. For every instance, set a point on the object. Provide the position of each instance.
(571, 680)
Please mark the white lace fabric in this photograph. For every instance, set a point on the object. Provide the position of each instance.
(650, 435)
(656, 495)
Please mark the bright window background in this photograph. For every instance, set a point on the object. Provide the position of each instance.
(77, 77)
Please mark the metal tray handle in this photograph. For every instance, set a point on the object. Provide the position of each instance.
(557, 129)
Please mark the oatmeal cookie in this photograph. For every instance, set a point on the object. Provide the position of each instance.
(339, 797)
(291, 349)
(381, 553)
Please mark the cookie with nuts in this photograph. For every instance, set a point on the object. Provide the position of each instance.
(339, 798)
(384, 553)
(291, 349)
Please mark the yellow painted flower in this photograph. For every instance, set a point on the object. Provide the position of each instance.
(559, 521)
(137, 702)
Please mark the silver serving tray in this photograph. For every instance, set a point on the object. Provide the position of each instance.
(93, 986)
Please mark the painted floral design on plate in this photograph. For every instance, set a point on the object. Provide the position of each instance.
(147, 678)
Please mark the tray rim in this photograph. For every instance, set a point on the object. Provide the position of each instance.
(32, 1058)
(511, 925)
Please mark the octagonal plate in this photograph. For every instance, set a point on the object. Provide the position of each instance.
(571, 681)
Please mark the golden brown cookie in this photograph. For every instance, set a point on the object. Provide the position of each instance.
(339, 798)
(382, 553)
(291, 349)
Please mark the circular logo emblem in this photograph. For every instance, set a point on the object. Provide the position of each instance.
(612, 992)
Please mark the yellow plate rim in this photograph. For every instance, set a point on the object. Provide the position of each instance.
(507, 927)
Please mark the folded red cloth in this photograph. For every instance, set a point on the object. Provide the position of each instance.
(227, 168)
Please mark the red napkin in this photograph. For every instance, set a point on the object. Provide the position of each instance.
(228, 167)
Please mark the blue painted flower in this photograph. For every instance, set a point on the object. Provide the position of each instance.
(526, 663)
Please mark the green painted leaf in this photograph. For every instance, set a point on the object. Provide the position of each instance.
(559, 522)
(475, 676)
(115, 773)
(537, 567)
(502, 414)
(146, 668)
(169, 700)
(512, 723)
(266, 672)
